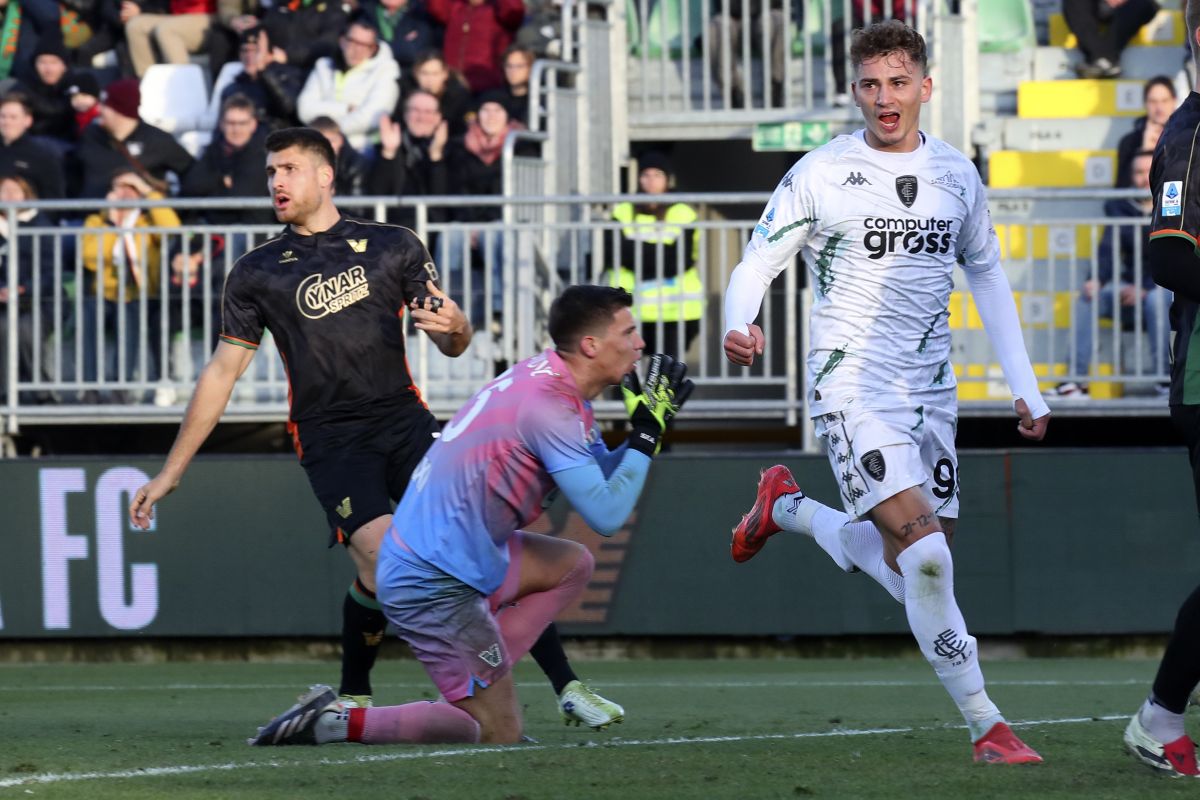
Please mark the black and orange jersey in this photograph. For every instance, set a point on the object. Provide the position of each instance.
(1175, 182)
(334, 303)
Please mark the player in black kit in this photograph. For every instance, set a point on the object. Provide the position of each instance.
(333, 291)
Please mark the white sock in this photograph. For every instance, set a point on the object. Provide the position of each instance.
(333, 725)
(849, 544)
(1162, 724)
(941, 632)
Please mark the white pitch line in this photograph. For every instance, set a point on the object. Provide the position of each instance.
(704, 684)
(191, 769)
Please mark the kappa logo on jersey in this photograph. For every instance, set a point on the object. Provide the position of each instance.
(357, 245)
(906, 189)
(316, 297)
(764, 228)
(491, 656)
(950, 181)
(287, 257)
(913, 236)
(856, 179)
(874, 464)
(1172, 199)
(788, 183)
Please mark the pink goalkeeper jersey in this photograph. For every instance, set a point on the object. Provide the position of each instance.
(490, 472)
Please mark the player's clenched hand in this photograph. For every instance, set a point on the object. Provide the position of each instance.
(741, 348)
(436, 312)
(141, 510)
(652, 404)
(1029, 427)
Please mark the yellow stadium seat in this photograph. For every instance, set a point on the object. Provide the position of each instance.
(1049, 241)
(1057, 168)
(1164, 30)
(1079, 98)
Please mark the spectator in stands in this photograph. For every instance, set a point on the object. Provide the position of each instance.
(121, 141)
(406, 27)
(126, 267)
(22, 25)
(169, 38)
(411, 160)
(35, 281)
(107, 20)
(1158, 95)
(356, 88)
(232, 166)
(542, 30)
(476, 169)
(267, 79)
(477, 34)
(1104, 28)
(729, 28)
(839, 35)
(518, 66)
(46, 90)
(350, 172)
(430, 74)
(1101, 296)
(234, 18)
(647, 229)
(84, 94)
(306, 30)
(21, 154)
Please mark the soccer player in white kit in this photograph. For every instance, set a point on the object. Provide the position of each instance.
(882, 216)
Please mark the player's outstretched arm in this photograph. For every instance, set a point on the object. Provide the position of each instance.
(442, 320)
(213, 389)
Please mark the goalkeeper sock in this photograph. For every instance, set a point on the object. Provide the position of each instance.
(421, 722)
(941, 632)
(849, 544)
(363, 624)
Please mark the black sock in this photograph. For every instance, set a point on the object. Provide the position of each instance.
(547, 651)
(1179, 670)
(363, 624)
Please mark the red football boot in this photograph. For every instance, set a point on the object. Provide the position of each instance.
(1001, 746)
(752, 532)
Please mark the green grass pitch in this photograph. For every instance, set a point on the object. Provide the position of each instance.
(770, 728)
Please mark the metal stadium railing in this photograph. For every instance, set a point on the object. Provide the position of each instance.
(68, 356)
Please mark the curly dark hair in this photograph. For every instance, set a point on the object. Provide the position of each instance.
(888, 36)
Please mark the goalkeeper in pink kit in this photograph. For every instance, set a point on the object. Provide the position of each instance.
(464, 586)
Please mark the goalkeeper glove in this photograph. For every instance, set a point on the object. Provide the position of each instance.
(652, 405)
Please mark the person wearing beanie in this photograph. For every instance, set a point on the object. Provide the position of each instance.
(120, 140)
(22, 26)
(658, 255)
(175, 35)
(83, 92)
(46, 89)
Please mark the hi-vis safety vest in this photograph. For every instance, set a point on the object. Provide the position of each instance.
(680, 297)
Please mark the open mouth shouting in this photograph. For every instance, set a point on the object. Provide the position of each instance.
(889, 121)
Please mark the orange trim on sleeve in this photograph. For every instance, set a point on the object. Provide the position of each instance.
(1173, 232)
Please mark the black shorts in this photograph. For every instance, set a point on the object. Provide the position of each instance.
(359, 473)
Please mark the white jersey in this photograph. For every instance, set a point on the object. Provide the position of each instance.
(880, 233)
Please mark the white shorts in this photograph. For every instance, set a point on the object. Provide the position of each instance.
(878, 453)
